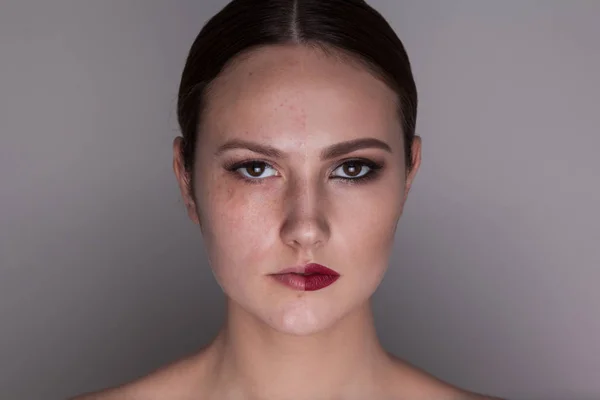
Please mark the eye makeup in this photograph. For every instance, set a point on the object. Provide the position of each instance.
(250, 170)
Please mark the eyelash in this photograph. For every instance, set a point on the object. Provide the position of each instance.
(374, 170)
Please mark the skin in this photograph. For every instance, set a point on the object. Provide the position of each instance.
(280, 343)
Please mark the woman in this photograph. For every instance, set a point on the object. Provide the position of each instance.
(297, 156)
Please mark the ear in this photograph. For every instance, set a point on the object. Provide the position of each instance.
(183, 180)
(415, 163)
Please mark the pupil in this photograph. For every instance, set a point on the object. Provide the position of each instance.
(351, 169)
(256, 169)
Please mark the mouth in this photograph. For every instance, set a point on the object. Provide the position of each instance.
(310, 277)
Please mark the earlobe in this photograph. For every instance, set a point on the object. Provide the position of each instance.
(183, 180)
(193, 214)
(190, 203)
(189, 198)
(415, 164)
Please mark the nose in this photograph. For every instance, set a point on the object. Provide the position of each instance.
(306, 226)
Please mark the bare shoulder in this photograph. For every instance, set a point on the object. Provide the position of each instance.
(415, 383)
(475, 396)
(176, 381)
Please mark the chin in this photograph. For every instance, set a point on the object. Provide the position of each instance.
(301, 318)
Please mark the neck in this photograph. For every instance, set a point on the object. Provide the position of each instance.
(254, 361)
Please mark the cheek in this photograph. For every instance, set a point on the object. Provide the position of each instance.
(238, 225)
(366, 230)
(371, 217)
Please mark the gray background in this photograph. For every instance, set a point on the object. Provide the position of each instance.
(494, 280)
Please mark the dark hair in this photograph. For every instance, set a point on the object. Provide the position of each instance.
(346, 27)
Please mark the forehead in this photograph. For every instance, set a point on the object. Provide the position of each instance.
(296, 93)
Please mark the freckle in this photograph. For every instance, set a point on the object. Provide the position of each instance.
(302, 120)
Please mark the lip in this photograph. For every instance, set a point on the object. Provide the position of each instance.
(317, 277)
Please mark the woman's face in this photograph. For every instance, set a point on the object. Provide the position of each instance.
(300, 200)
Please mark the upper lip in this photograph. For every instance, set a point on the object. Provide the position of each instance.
(311, 268)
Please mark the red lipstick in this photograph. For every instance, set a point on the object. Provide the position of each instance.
(310, 277)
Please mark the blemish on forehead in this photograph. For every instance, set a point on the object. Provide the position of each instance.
(299, 116)
(302, 119)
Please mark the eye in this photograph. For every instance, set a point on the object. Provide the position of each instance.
(254, 170)
(351, 171)
(355, 169)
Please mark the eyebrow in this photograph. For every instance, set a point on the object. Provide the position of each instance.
(333, 151)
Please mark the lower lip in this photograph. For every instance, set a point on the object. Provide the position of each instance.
(307, 283)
